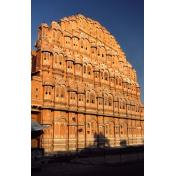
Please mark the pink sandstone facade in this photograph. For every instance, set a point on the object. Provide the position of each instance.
(84, 88)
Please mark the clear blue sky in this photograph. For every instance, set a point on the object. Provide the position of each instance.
(123, 18)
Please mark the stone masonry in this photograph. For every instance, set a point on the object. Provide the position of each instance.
(84, 88)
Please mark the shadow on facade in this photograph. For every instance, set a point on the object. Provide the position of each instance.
(100, 147)
(123, 143)
(100, 144)
(100, 141)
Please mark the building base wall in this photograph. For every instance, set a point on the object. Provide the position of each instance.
(70, 131)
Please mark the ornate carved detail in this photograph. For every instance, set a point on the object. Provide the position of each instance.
(81, 72)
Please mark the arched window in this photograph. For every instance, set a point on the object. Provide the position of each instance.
(128, 86)
(110, 101)
(117, 130)
(121, 105)
(124, 84)
(68, 65)
(72, 95)
(67, 41)
(87, 97)
(103, 52)
(86, 42)
(62, 93)
(57, 92)
(89, 70)
(96, 74)
(92, 98)
(88, 125)
(98, 53)
(93, 50)
(124, 104)
(113, 61)
(106, 76)
(100, 101)
(47, 92)
(80, 98)
(81, 44)
(88, 128)
(105, 101)
(120, 82)
(73, 119)
(56, 59)
(61, 60)
(75, 42)
(46, 58)
(101, 75)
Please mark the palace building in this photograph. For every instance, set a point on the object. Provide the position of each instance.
(83, 88)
